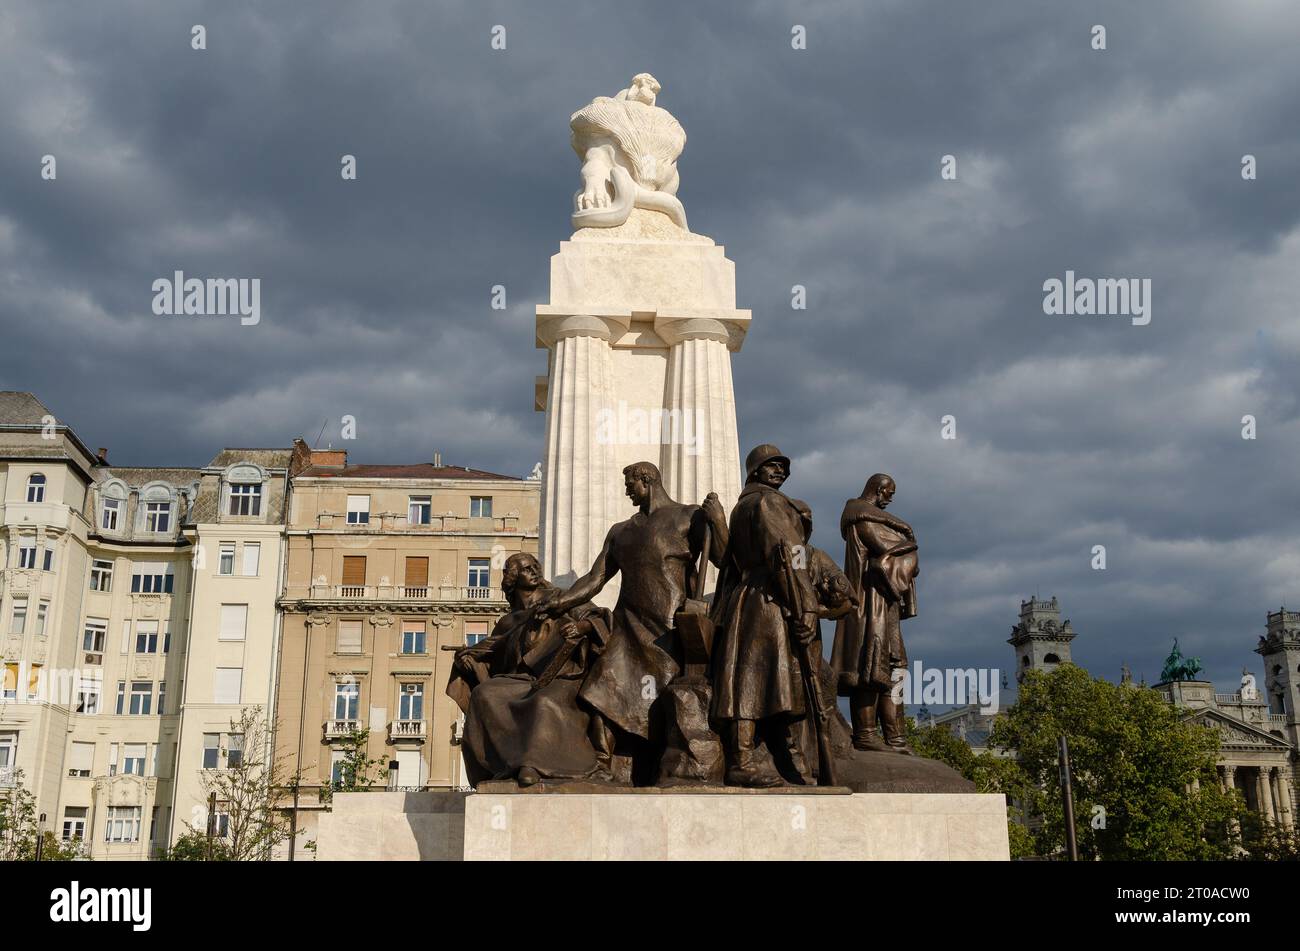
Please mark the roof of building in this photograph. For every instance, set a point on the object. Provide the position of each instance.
(21, 409)
(423, 470)
(266, 458)
(136, 476)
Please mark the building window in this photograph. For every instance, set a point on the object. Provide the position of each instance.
(475, 631)
(211, 750)
(354, 576)
(227, 684)
(101, 575)
(162, 696)
(338, 759)
(123, 824)
(48, 562)
(34, 681)
(133, 759)
(74, 822)
(412, 638)
(18, 622)
(108, 518)
(358, 509)
(141, 698)
(347, 698)
(42, 612)
(10, 689)
(480, 506)
(234, 622)
(480, 573)
(234, 750)
(226, 562)
(349, 638)
(146, 637)
(410, 705)
(88, 696)
(153, 579)
(419, 510)
(252, 557)
(93, 636)
(36, 488)
(26, 554)
(246, 499)
(157, 516)
(82, 760)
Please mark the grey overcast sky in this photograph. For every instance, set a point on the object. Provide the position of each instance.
(817, 167)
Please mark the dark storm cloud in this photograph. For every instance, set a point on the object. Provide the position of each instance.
(817, 168)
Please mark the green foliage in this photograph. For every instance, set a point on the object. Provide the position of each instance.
(356, 768)
(1135, 759)
(192, 846)
(989, 773)
(19, 830)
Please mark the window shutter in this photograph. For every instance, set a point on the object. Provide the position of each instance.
(417, 572)
(354, 570)
(83, 757)
(226, 684)
(252, 555)
(234, 622)
(349, 637)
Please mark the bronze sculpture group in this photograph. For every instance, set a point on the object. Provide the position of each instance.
(670, 689)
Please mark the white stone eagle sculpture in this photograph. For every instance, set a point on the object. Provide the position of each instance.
(629, 149)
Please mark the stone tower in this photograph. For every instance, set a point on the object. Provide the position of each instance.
(1041, 639)
(1280, 648)
(639, 332)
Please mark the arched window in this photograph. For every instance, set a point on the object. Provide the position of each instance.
(36, 487)
(1051, 659)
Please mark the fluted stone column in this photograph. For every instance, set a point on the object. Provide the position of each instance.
(1266, 793)
(579, 470)
(705, 456)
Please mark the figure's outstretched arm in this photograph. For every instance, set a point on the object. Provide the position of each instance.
(878, 515)
(589, 585)
(712, 510)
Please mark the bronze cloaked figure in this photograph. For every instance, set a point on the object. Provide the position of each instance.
(519, 687)
(655, 553)
(765, 609)
(880, 561)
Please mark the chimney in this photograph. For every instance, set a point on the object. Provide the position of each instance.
(305, 457)
(437, 458)
(101, 456)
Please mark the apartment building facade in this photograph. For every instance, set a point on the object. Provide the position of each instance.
(388, 569)
(94, 603)
(236, 531)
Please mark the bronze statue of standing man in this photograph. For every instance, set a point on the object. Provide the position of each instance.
(880, 560)
(760, 610)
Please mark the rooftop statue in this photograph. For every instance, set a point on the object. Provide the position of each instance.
(1178, 667)
(629, 149)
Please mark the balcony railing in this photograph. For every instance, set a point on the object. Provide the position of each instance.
(441, 594)
(407, 729)
(386, 522)
(338, 728)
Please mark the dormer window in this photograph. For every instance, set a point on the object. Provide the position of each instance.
(157, 516)
(246, 498)
(111, 514)
(36, 488)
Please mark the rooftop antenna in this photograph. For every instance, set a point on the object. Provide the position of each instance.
(316, 444)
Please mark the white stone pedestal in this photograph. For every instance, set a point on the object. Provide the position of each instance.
(736, 825)
(639, 330)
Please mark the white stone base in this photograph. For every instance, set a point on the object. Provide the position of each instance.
(741, 826)
(393, 827)
(677, 825)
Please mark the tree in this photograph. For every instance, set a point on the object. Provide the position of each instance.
(250, 824)
(356, 767)
(18, 827)
(192, 846)
(19, 830)
(989, 773)
(1144, 779)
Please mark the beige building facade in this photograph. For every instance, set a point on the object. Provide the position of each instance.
(388, 569)
(94, 602)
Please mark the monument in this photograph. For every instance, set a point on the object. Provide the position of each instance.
(639, 332)
(677, 725)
